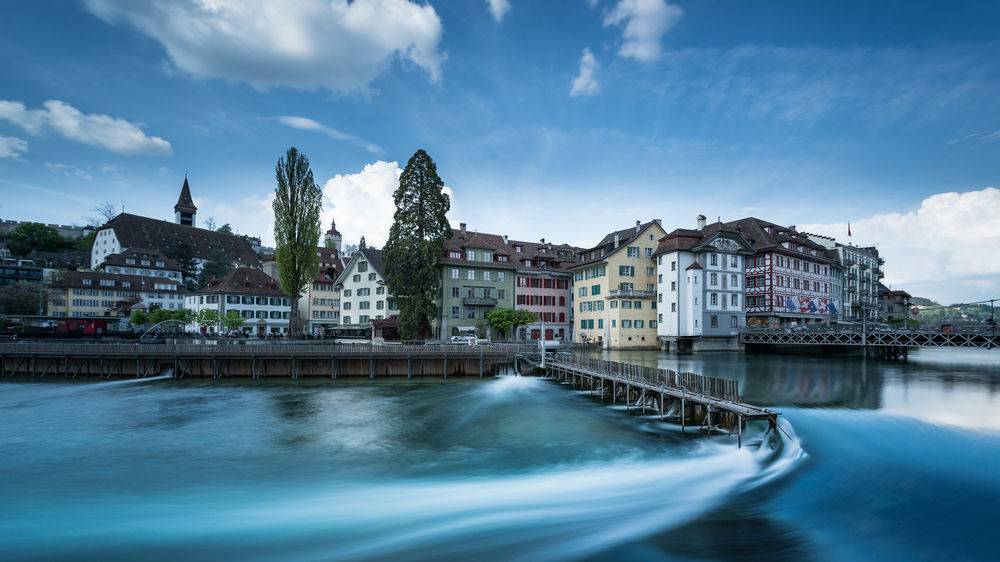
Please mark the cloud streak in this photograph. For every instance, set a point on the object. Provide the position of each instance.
(12, 147)
(102, 131)
(643, 23)
(586, 83)
(306, 124)
(335, 44)
(498, 8)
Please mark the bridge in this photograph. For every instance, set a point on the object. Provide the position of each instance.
(686, 398)
(881, 342)
(256, 359)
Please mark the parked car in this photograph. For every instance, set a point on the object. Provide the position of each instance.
(465, 340)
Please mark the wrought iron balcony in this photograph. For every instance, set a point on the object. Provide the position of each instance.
(479, 301)
(632, 294)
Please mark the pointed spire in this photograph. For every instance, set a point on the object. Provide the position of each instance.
(333, 228)
(184, 201)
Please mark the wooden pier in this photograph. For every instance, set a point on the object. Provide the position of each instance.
(256, 360)
(687, 398)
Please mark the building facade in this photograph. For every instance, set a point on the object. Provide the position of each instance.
(98, 294)
(787, 280)
(614, 287)
(364, 295)
(700, 279)
(542, 285)
(144, 263)
(477, 276)
(264, 307)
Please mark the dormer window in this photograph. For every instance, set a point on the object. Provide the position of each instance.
(527, 263)
(517, 248)
(455, 255)
(470, 255)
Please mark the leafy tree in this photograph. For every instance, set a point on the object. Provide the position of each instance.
(160, 315)
(225, 229)
(35, 236)
(233, 319)
(186, 262)
(185, 315)
(124, 306)
(504, 319)
(207, 317)
(216, 266)
(138, 318)
(21, 298)
(416, 242)
(84, 243)
(19, 248)
(297, 205)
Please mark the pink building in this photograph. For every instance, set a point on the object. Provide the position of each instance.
(543, 285)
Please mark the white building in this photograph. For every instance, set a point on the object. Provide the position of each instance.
(363, 292)
(264, 307)
(699, 288)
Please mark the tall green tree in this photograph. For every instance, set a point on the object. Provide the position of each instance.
(216, 266)
(183, 254)
(35, 236)
(416, 243)
(297, 205)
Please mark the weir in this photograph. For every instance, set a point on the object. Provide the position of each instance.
(687, 398)
(254, 360)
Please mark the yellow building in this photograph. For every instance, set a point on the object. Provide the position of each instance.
(614, 289)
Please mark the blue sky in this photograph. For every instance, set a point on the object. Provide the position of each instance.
(561, 120)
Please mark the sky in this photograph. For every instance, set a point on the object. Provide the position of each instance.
(561, 120)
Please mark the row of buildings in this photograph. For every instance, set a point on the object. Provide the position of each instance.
(690, 288)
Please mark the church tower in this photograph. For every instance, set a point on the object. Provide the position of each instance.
(332, 239)
(184, 210)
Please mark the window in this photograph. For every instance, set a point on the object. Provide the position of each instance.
(650, 237)
(713, 321)
(713, 279)
(734, 261)
(626, 323)
(659, 297)
(487, 276)
(733, 322)
(639, 323)
(626, 304)
(470, 255)
(673, 307)
(648, 252)
(380, 305)
(614, 304)
(470, 274)
(347, 305)
(626, 271)
(347, 320)
(501, 294)
(582, 292)
(454, 312)
(380, 290)
(371, 276)
(673, 266)
(454, 292)
(501, 276)
(595, 289)
(454, 273)
(735, 300)
(659, 318)
(673, 285)
(86, 281)
(714, 298)
(636, 304)
(714, 259)
(455, 255)
(650, 271)
(347, 293)
(734, 283)
(362, 266)
(600, 323)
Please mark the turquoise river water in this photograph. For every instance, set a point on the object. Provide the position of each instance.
(877, 460)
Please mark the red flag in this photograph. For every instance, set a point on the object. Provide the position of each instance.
(848, 229)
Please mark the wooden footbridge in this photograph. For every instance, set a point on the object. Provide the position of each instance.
(250, 358)
(683, 397)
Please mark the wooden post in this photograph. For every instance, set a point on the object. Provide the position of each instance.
(682, 414)
(445, 366)
(643, 399)
(708, 418)
(661, 406)
(371, 366)
(739, 431)
(409, 367)
(480, 365)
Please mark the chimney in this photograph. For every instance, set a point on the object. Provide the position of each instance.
(505, 239)
(542, 240)
(701, 222)
(617, 240)
(637, 225)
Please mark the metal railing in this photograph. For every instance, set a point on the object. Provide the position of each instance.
(714, 387)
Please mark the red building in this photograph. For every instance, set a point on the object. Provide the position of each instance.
(788, 277)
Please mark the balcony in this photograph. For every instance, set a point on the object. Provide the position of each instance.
(632, 294)
(479, 301)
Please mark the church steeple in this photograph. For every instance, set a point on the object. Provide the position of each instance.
(333, 239)
(184, 210)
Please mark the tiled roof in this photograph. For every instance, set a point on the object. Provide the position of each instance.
(625, 236)
(134, 231)
(374, 258)
(75, 279)
(503, 246)
(150, 254)
(766, 236)
(246, 281)
(687, 239)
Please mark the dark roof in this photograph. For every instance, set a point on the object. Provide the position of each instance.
(184, 201)
(556, 257)
(151, 254)
(688, 239)
(766, 236)
(333, 229)
(624, 236)
(134, 231)
(374, 258)
(694, 265)
(74, 279)
(244, 280)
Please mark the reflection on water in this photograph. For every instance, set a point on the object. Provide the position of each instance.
(868, 458)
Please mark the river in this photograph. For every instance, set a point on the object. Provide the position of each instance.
(877, 460)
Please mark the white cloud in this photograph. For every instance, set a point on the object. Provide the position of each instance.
(307, 124)
(946, 249)
(498, 8)
(10, 147)
(585, 83)
(103, 131)
(644, 22)
(362, 203)
(70, 171)
(334, 44)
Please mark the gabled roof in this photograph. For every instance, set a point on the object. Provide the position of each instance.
(682, 239)
(766, 236)
(244, 280)
(624, 237)
(75, 279)
(694, 265)
(150, 254)
(370, 255)
(134, 231)
(185, 202)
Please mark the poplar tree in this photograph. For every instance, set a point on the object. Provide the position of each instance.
(297, 204)
(416, 243)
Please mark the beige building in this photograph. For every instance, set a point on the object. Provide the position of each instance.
(614, 289)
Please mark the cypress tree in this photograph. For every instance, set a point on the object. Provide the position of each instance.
(416, 243)
(297, 205)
